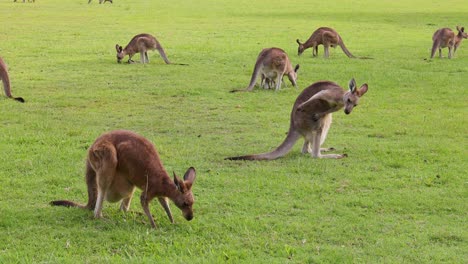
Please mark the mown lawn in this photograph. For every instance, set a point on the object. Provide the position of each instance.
(399, 197)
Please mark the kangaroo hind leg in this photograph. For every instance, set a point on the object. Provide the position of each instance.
(102, 157)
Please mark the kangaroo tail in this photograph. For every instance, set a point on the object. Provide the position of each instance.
(345, 50)
(434, 48)
(280, 151)
(92, 192)
(254, 77)
(162, 53)
(6, 87)
(66, 204)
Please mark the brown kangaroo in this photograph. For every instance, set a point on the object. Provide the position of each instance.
(272, 63)
(120, 160)
(446, 38)
(325, 36)
(140, 43)
(311, 117)
(6, 81)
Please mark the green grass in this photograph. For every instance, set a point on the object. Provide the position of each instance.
(400, 196)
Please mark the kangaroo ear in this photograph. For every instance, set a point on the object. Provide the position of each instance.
(362, 90)
(296, 68)
(117, 47)
(352, 85)
(297, 40)
(179, 183)
(462, 29)
(190, 176)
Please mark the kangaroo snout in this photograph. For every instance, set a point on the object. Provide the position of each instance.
(188, 216)
(347, 111)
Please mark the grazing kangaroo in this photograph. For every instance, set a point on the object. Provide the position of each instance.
(24, 1)
(120, 160)
(446, 38)
(6, 81)
(325, 36)
(311, 118)
(140, 43)
(272, 63)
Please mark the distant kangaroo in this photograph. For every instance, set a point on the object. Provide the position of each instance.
(446, 38)
(325, 36)
(272, 63)
(311, 118)
(120, 160)
(141, 43)
(6, 81)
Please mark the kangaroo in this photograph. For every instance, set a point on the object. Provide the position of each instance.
(272, 63)
(325, 36)
(311, 117)
(6, 81)
(140, 43)
(24, 1)
(446, 38)
(120, 160)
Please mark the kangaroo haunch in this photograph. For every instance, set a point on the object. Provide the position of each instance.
(311, 118)
(121, 160)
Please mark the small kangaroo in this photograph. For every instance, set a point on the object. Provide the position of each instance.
(141, 43)
(446, 38)
(120, 160)
(6, 81)
(325, 36)
(311, 117)
(272, 63)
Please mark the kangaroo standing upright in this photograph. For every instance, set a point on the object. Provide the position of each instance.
(121, 160)
(325, 36)
(446, 38)
(272, 64)
(6, 81)
(311, 117)
(141, 43)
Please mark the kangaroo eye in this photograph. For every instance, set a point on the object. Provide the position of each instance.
(349, 100)
(186, 204)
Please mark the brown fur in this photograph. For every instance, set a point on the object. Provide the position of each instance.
(141, 43)
(311, 118)
(446, 38)
(6, 81)
(325, 36)
(272, 64)
(121, 160)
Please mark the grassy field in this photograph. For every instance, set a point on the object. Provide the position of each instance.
(400, 196)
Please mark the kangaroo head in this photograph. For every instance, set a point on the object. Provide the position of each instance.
(300, 49)
(184, 199)
(351, 97)
(120, 53)
(461, 32)
(292, 76)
